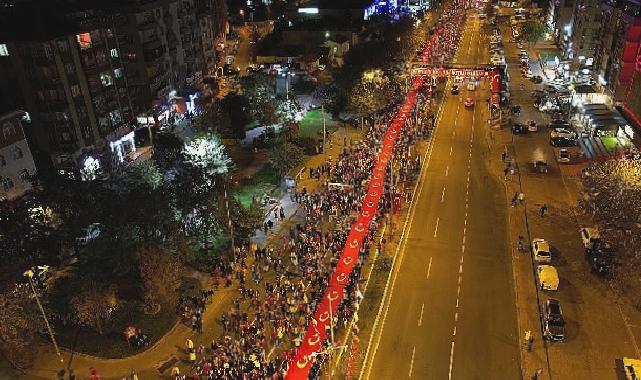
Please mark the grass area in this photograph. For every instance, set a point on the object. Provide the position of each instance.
(312, 124)
(264, 181)
(609, 142)
(112, 343)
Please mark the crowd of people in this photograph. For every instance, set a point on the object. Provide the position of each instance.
(281, 284)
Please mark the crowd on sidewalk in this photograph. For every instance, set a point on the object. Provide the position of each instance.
(281, 284)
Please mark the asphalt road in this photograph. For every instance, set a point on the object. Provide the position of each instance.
(451, 310)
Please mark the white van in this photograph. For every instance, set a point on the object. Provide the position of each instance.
(548, 277)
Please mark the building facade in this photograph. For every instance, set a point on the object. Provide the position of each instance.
(618, 45)
(16, 162)
(86, 86)
(584, 33)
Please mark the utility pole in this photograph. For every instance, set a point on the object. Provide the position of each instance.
(29, 274)
(231, 225)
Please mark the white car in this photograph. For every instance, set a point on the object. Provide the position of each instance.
(526, 73)
(497, 60)
(590, 237)
(562, 133)
(541, 250)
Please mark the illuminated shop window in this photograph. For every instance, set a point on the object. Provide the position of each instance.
(3, 50)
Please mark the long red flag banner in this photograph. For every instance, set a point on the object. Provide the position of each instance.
(316, 333)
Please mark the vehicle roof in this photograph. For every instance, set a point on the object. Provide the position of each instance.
(593, 232)
(543, 245)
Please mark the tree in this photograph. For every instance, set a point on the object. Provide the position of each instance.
(94, 305)
(261, 94)
(239, 111)
(207, 153)
(160, 272)
(19, 324)
(285, 156)
(167, 150)
(533, 30)
(214, 119)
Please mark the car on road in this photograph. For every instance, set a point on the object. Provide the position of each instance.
(564, 156)
(539, 166)
(590, 237)
(455, 90)
(562, 142)
(554, 326)
(497, 60)
(562, 133)
(469, 102)
(518, 128)
(526, 73)
(541, 250)
(532, 126)
(548, 277)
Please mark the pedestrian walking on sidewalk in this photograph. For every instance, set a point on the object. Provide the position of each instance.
(543, 210)
(537, 373)
(521, 198)
(521, 244)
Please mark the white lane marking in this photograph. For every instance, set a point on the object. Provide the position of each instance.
(400, 252)
(436, 228)
(447, 170)
(420, 319)
(451, 361)
(454, 332)
(451, 148)
(412, 362)
(443, 195)
(429, 268)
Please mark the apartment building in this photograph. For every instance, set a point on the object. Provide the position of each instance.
(560, 15)
(16, 161)
(618, 46)
(88, 75)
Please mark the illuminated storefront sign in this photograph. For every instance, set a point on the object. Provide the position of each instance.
(438, 72)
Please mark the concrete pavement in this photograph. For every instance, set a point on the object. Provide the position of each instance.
(450, 311)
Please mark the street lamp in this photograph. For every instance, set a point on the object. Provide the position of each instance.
(29, 274)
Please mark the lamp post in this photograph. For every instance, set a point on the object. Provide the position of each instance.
(29, 274)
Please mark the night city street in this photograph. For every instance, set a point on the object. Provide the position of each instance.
(320, 189)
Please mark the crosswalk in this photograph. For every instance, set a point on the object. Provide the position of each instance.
(601, 148)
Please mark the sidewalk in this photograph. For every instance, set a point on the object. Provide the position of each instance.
(170, 347)
(597, 330)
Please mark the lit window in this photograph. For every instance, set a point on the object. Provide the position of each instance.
(84, 40)
(3, 50)
(114, 53)
(118, 73)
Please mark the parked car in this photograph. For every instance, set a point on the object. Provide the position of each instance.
(562, 142)
(564, 156)
(562, 133)
(526, 73)
(469, 102)
(554, 328)
(600, 264)
(590, 237)
(537, 79)
(541, 250)
(455, 90)
(548, 277)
